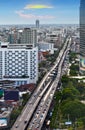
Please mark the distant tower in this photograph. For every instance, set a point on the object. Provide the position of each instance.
(37, 23)
(82, 37)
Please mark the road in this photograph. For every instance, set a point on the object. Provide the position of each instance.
(42, 110)
(27, 112)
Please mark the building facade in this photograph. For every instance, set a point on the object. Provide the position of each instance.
(44, 46)
(29, 36)
(19, 63)
(82, 37)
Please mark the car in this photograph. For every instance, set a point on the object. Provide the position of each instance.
(37, 113)
(30, 102)
(41, 116)
(34, 120)
(37, 126)
(43, 112)
(44, 109)
(16, 126)
(25, 121)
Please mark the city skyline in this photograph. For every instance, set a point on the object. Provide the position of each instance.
(48, 12)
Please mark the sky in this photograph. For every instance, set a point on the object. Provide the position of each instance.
(47, 11)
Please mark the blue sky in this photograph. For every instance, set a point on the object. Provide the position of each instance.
(47, 11)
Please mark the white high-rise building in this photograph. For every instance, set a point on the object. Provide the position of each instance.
(29, 36)
(18, 63)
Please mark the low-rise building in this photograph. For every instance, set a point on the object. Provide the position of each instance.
(45, 46)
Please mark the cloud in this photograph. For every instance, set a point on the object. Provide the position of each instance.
(37, 6)
(31, 16)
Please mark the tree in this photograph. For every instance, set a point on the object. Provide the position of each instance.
(72, 56)
(25, 98)
(70, 92)
(75, 109)
(83, 120)
(74, 69)
(81, 87)
(65, 79)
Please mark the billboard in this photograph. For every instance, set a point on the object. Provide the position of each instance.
(3, 122)
(1, 92)
(82, 63)
(11, 95)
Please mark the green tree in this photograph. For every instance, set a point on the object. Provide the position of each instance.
(72, 56)
(74, 69)
(74, 108)
(83, 120)
(81, 87)
(25, 98)
(65, 79)
(70, 92)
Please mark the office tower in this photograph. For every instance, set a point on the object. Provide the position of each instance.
(82, 37)
(37, 23)
(29, 36)
(18, 63)
(12, 38)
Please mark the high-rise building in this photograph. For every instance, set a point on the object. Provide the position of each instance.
(12, 38)
(18, 63)
(82, 37)
(29, 36)
(37, 23)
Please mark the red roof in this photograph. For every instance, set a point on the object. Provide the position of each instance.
(29, 87)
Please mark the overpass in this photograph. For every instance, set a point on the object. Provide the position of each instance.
(26, 114)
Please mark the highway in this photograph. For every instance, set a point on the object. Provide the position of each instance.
(46, 86)
(42, 109)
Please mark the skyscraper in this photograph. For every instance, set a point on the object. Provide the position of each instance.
(37, 23)
(82, 37)
(29, 36)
